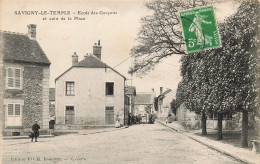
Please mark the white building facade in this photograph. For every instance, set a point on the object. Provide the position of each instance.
(90, 93)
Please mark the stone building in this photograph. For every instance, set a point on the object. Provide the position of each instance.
(89, 93)
(25, 82)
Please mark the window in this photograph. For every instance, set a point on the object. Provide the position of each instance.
(14, 109)
(14, 78)
(69, 108)
(10, 109)
(70, 89)
(109, 108)
(110, 88)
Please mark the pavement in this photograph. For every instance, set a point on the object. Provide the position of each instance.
(240, 154)
(60, 132)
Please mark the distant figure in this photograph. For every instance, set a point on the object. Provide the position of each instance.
(166, 120)
(35, 129)
(129, 119)
(169, 118)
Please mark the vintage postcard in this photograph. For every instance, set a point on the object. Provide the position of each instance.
(129, 81)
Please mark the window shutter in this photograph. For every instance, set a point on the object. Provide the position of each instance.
(10, 77)
(10, 109)
(17, 109)
(17, 78)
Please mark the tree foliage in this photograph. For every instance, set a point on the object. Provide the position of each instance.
(225, 80)
(160, 34)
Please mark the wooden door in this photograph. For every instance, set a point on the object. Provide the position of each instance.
(109, 115)
(69, 115)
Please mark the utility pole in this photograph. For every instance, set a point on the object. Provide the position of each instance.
(131, 73)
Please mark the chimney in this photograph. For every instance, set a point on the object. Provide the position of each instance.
(86, 55)
(161, 90)
(32, 31)
(97, 50)
(74, 59)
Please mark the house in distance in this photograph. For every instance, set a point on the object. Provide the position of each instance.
(89, 93)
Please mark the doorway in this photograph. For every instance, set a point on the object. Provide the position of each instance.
(109, 115)
(69, 115)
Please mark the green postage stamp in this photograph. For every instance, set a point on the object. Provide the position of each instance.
(200, 29)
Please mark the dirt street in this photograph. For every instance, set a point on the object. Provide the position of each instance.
(136, 144)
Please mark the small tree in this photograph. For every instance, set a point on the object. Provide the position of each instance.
(173, 106)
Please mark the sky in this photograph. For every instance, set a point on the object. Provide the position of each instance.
(59, 39)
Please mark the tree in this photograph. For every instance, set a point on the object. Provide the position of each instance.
(226, 80)
(160, 34)
(173, 106)
(220, 81)
(244, 38)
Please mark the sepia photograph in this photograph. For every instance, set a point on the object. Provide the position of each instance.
(130, 81)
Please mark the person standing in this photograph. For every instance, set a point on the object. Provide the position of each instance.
(35, 129)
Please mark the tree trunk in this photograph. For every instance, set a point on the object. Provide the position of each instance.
(204, 124)
(220, 118)
(244, 133)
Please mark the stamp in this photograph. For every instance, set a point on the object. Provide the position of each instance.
(200, 29)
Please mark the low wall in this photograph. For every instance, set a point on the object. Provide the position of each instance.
(23, 132)
(80, 127)
(191, 120)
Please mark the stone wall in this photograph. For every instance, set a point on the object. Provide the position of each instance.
(2, 87)
(32, 110)
(188, 119)
(34, 93)
(45, 97)
(192, 121)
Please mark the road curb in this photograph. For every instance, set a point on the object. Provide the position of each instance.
(104, 131)
(219, 150)
(190, 135)
(50, 136)
(25, 137)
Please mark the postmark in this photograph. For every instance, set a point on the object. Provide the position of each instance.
(200, 29)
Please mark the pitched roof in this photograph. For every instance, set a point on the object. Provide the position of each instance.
(19, 47)
(91, 62)
(162, 95)
(51, 94)
(144, 98)
(130, 90)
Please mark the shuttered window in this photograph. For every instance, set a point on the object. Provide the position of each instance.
(17, 78)
(13, 78)
(10, 77)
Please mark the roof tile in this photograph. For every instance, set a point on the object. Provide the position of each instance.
(19, 47)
